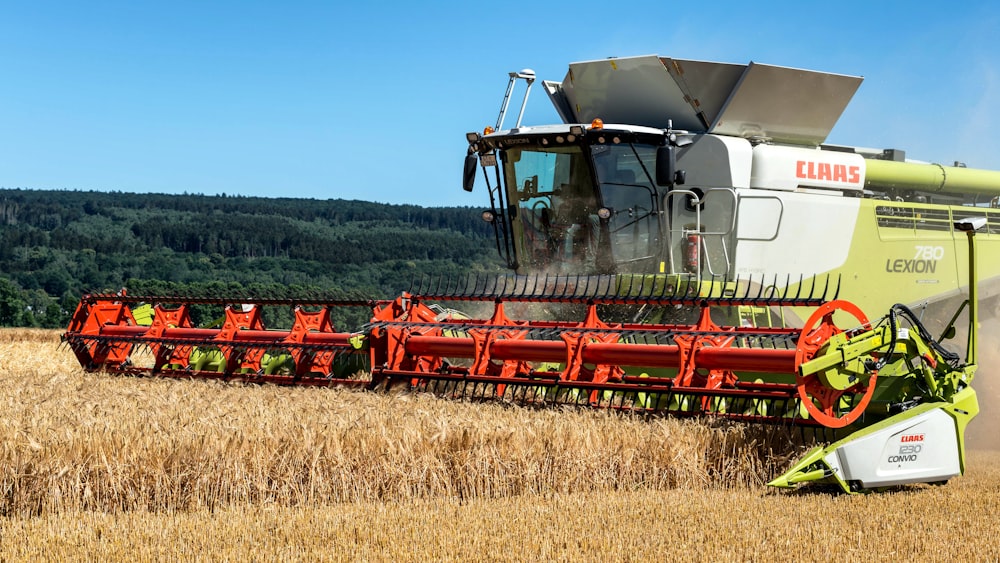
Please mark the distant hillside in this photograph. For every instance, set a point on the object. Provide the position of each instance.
(54, 245)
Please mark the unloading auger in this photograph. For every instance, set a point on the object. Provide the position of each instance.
(894, 398)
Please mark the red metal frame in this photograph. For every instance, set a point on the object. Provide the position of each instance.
(410, 342)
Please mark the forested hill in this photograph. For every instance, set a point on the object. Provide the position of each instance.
(56, 244)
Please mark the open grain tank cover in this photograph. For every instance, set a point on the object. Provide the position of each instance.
(783, 104)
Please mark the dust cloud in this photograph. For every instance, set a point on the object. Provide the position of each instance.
(984, 431)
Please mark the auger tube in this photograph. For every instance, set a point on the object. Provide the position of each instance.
(893, 175)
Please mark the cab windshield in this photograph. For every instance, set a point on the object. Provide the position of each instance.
(568, 223)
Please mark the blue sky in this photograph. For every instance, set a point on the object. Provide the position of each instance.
(372, 100)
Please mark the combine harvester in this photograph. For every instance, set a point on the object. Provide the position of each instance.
(697, 240)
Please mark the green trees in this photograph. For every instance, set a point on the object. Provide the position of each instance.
(12, 304)
(31, 308)
(55, 245)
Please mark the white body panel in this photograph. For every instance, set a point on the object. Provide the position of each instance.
(792, 233)
(790, 168)
(921, 449)
(785, 224)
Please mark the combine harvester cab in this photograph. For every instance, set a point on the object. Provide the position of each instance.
(683, 244)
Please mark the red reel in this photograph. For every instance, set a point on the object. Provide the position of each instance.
(822, 402)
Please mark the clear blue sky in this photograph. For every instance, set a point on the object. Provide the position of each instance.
(371, 100)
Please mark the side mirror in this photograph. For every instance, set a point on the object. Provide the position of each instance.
(666, 165)
(469, 174)
(667, 173)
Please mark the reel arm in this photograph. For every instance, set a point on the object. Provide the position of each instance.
(888, 350)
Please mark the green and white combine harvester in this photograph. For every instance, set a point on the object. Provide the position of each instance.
(698, 251)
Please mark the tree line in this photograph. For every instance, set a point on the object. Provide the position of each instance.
(56, 245)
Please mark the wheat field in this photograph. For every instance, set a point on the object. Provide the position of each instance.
(101, 467)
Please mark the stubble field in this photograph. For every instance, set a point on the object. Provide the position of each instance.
(100, 467)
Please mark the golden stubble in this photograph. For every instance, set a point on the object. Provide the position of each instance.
(94, 466)
(71, 440)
